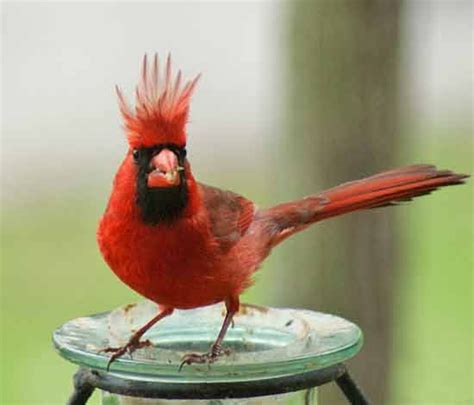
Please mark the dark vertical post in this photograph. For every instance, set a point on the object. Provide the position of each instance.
(343, 123)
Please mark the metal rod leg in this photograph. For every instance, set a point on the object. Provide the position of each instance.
(350, 389)
(82, 388)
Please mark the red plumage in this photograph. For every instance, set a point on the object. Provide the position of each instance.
(161, 106)
(210, 251)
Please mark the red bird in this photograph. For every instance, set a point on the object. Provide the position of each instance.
(184, 244)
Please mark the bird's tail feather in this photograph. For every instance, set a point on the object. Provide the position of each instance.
(387, 188)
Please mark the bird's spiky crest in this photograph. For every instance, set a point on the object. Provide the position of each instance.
(161, 106)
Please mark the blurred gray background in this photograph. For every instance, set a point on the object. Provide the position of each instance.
(62, 60)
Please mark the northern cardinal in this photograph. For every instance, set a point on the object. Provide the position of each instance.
(184, 244)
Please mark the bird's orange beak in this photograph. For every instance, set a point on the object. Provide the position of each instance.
(164, 170)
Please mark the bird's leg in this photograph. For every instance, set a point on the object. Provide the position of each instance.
(134, 342)
(216, 350)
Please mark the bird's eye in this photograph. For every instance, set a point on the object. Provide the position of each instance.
(136, 154)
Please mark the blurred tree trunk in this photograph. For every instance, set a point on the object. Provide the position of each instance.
(343, 125)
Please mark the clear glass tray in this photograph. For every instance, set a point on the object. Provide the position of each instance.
(265, 342)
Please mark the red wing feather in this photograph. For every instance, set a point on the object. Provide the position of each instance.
(230, 214)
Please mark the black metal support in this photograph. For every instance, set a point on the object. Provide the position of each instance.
(351, 390)
(86, 380)
(83, 389)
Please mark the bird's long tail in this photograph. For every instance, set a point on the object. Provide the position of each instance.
(383, 189)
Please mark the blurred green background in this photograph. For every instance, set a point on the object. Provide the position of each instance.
(52, 272)
(59, 156)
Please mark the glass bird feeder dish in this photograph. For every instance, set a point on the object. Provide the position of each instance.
(277, 356)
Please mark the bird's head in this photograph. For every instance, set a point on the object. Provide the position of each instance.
(156, 135)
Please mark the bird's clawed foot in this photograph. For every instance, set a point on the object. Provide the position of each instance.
(211, 356)
(133, 344)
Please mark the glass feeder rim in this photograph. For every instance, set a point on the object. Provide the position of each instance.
(150, 369)
(98, 356)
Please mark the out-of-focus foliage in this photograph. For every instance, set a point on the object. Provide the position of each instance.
(433, 309)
